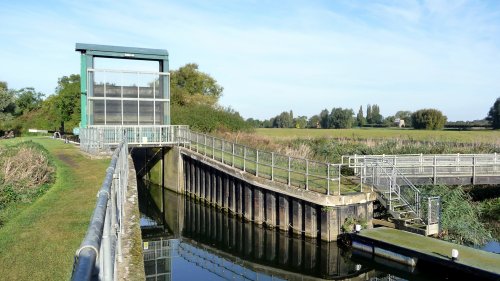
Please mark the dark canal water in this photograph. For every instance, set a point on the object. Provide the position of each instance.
(189, 240)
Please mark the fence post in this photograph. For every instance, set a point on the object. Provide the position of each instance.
(307, 174)
(289, 170)
(222, 151)
(244, 158)
(272, 166)
(339, 178)
(256, 163)
(213, 148)
(435, 170)
(474, 169)
(328, 179)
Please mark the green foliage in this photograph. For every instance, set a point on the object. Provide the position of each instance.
(405, 115)
(341, 118)
(314, 122)
(66, 101)
(284, 120)
(324, 119)
(205, 118)
(189, 86)
(27, 99)
(428, 119)
(494, 114)
(360, 119)
(350, 222)
(460, 217)
(7, 106)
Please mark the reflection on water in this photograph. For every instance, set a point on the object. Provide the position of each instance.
(189, 240)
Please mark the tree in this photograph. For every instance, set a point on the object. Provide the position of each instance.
(377, 118)
(66, 101)
(369, 115)
(300, 122)
(323, 119)
(188, 86)
(7, 104)
(405, 115)
(284, 120)
(314, 122)
(494, 115)
(428, 119)
(360, 119)
(27, 99)
(341, 118)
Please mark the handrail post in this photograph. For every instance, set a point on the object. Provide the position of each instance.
(435, 170)
(307, 174)
(289, 170)
(340, 176)
(256, 163)
(232, 161)
(213, 148)
(222, 151)
(272, 166)
(244, 158)
(328, 179)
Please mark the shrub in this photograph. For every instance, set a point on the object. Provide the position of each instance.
(428, 119)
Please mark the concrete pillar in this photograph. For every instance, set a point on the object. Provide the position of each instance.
(219, 190)
(239, 198)
(258, 205)
(201, 176)
(232, 195)
(297, 216)
(208, 188)
(329, 259)
(225, 191)
(187, 176)
(197, 218)
(195, 179)
(270, 209)
(213, 186)
(329, 224)
(283, 212)
(310, 220)
(198, 181)
(247, 201)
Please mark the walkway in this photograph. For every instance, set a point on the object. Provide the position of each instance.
(432, 250)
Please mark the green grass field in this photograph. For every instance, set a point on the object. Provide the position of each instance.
(39, 242)
(479, 136)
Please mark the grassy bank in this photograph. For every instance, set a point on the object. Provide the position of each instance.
(38, 243)
(480, 136)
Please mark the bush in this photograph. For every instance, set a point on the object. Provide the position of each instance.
(24, 170)
(205, 118)
(428, 119)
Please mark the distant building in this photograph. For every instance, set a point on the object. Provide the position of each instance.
(399, 122)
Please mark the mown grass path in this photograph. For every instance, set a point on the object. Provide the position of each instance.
(40, 241)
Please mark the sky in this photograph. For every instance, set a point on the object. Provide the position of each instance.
(275, 56)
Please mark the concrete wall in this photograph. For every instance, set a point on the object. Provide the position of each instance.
(296, 211)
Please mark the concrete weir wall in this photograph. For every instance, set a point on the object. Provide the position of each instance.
(275, 205)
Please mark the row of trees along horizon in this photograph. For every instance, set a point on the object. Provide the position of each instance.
(194, 102)
(344, 118)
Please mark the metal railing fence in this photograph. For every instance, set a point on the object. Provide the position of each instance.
(311, 175)
(102, 138)
(396, 188)
(101, 247)
(433, 166)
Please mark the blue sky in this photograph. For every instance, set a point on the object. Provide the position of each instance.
(273, 56)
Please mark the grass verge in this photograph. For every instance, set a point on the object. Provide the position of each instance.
(38, 243)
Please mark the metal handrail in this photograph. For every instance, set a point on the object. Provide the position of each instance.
(101, 247)
(293, 171)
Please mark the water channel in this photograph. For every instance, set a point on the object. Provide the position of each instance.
(185, 239)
